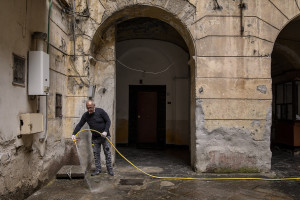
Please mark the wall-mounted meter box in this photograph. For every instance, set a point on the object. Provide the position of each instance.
(38, 73)
(31, 123)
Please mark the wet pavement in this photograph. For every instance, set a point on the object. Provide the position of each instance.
(128, 183)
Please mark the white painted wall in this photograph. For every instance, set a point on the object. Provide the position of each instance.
(17, 25)
(155, 56)
(26, 161)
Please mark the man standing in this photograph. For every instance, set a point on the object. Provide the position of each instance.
(98, 120)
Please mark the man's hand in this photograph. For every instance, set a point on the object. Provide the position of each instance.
(104, 134)
(73, 137)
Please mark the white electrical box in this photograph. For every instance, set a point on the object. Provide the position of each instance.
(38, 73)
(31, 123)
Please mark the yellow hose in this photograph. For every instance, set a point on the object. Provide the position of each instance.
(186, 178)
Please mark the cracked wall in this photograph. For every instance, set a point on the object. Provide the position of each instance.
(27, 162)
(232, 146)
(230, 75)
(231, 53)
(232, 72)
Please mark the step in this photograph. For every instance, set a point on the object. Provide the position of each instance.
(70, 172)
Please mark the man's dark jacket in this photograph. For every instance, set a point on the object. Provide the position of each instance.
(98, 120)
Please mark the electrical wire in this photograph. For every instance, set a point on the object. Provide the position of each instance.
(139, 70)
(68, 11)
(80, 77)
(186, 178)
(130, 68)
(71, 12)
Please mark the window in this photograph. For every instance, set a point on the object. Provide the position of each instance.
(284, 101)
(18, 70)
(58, 105)
(297, 108)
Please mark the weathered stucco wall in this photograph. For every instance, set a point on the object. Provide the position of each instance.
(233, 81)
(26, 162)
(230, 75)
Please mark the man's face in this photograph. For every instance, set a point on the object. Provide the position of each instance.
(90, 107)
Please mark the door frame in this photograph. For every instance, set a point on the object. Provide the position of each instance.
(161, 113)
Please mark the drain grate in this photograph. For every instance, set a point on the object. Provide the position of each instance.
(131, 181)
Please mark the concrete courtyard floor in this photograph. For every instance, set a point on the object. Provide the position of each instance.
(128, 183)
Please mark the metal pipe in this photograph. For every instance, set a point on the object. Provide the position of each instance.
(74, 47)
(242, 7)
(39, 39)
(49, 13)
(44, 100)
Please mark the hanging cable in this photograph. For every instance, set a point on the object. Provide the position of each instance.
(143, 71)
(80, 77)
(74, 38)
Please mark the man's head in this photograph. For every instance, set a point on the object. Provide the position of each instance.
(90, 106)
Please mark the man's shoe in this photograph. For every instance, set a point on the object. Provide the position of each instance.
(110, 172)
(95, 173)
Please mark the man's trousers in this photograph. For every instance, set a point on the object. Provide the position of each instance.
(97, 153)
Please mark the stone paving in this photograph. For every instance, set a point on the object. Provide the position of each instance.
(128, 183)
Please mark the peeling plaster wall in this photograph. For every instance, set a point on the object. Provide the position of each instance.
(105, 81)
(227, 81)
(231, 82)
(231, 114)
(232, 70)
(233, 79)
(233, 145)
(26, 162)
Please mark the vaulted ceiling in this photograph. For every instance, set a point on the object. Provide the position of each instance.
(149, 28)
(286, 52)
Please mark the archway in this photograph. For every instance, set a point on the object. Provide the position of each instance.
(152, 72)
(286, 87)
(107, 40)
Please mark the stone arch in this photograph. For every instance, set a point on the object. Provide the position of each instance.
(104, 39)
(285, 73)
(179, 21)
(297, 15)
(285, 51)
(286, 13)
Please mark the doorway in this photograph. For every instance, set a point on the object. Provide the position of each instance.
(153, 90)
(147, 115)
(286, 88)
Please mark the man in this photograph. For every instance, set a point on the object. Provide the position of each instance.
(98, 120)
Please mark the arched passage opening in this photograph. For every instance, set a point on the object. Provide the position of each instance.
(286, 87)
(150, 69)
(152, 73)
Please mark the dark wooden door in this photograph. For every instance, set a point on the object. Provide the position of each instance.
(147, 117)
